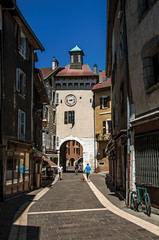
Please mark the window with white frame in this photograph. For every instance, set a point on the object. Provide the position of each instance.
(21, 124)
(104, 102)
(20, 81)
(108, 126)
(47, 145)
(22, 44)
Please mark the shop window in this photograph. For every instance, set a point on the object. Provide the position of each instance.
(104, 102)
(18, 168)
(21, 125)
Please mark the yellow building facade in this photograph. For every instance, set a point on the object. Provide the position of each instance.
(102, 94)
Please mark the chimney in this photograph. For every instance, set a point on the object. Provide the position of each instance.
(95, 68)
(100, 76)
(54, 63)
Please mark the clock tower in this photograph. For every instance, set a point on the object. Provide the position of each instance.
(74, 111)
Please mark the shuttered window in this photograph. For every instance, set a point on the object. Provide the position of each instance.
(21, 125)
(104, 127)
(20, 81)
(69, 117)
(104, 102)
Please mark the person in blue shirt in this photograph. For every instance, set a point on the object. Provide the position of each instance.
(87, 170)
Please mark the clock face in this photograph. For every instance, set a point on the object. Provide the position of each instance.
(70, 100)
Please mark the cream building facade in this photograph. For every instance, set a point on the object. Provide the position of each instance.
(75, 111)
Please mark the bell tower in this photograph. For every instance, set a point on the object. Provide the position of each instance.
(76, 58)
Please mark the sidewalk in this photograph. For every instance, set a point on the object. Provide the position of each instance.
(9, 210)
(118, 199)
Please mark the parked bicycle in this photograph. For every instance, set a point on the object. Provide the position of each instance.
(138, 199)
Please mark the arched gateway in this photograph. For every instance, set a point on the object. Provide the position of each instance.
(70, 152)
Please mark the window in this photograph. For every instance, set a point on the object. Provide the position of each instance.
(104, 153)
(53, 142)
(144, 5)
(104, 102)
(22, 44)
(20, 81)
(57, 98)
(150, 59)
(57, 141)
(21, 125)
(53, 96)
(107, 126)
(47, 141)
(69, 117)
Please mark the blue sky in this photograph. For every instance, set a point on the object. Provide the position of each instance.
(61, 24)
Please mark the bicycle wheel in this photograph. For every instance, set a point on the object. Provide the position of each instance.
(148, 204)
(133, 201)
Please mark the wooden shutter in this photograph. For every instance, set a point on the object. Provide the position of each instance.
(104, 127)
(108, 102)
(65, 117)
(73, 118)
(100, 103)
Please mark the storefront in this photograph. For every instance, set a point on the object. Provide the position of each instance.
(18, 168)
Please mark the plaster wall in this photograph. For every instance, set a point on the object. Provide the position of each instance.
(138, 34)
(83, 129)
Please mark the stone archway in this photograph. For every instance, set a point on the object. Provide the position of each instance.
(70, 151)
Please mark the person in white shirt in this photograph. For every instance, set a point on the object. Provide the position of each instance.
(60, 171)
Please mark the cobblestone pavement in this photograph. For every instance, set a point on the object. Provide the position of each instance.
(70, 210)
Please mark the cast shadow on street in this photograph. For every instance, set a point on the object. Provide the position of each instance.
(119, 194)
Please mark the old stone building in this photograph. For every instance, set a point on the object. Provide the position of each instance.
(102, 102)
(116, 68)
(142, 20)
(18, 43)
(49, 111)
(74, 111)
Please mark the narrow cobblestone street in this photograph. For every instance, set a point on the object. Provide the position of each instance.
(70, 210)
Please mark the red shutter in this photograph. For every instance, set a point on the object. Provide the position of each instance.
(104, 127)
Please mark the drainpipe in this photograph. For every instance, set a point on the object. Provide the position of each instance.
(128, 110)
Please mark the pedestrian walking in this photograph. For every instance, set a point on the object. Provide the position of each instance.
(87, 170)
(60, 171)
(76, 168)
